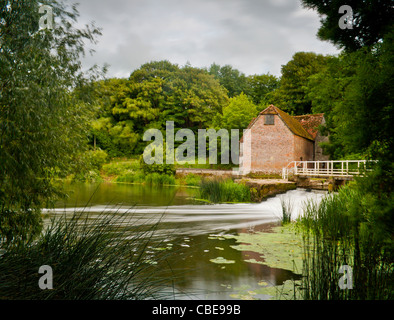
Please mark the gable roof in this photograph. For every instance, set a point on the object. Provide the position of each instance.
(306, 126)
(294, 125)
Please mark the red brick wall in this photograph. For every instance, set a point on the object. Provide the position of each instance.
(303, 148)
(274, 146)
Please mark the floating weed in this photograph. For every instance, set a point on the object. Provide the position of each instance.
(221, 260)
(242, 296)
(281, 248)
(266, 291)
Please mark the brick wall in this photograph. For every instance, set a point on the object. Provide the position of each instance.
(272, 147)
(303, 149)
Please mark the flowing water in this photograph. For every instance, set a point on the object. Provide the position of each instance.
(192, 233)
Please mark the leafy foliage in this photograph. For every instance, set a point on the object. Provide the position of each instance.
(155, 93)
(355, 93)
(42, 123)
(372, 20)
(232, 79)
(291, 94)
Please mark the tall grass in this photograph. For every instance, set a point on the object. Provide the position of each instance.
(92, 258)
(337, 233)
(150, 178)
(219, 191)
(120, 167)
(287, 209)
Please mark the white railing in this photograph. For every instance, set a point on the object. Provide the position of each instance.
(344, 168)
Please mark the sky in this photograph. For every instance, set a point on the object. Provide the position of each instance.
(253, 36)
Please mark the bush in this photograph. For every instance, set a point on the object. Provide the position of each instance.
(89, 165)
(168, 169)
(96, 158)
(118, 168)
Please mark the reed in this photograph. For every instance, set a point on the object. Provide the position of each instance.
(102, 257)
(219, 191)
(149, 179)
(336, 233)
(287, 209)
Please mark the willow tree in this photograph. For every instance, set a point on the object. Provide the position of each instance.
(42, 118)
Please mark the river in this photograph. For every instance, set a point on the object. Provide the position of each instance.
(194, 232)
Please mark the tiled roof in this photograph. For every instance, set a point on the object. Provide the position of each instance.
(305, 126)
(311, 122)
(294, 125)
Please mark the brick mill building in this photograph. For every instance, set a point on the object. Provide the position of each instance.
(275, 139)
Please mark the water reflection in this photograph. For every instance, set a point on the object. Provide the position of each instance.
(191, 233)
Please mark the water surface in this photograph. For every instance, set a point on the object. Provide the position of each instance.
(200, 260)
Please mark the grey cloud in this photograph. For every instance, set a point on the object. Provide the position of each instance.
(254, 36)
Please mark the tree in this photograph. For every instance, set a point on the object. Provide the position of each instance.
(260, 86)
(107, 132)
(291, 95)
(42, 116)
(232, 79)
(326, 91)
(355, 93)
(372, 20)
(238, 113)
(195, 98)
(155, 93)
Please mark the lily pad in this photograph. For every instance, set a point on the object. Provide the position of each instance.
(281, 248)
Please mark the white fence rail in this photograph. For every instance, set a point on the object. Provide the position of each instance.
(343, 168)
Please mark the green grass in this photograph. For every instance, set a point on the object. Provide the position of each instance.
(149, 179)
(118, 168)
(130, 171)
(191, 180)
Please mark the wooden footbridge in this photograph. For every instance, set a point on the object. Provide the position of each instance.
(336, 169)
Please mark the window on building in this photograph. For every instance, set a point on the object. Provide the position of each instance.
(269, 119)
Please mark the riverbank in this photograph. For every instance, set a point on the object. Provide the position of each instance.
(225, 185)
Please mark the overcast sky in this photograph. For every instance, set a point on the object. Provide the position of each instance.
(253, 36)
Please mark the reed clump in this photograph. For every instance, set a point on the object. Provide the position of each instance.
(287, 209)
(221, 190)
(346, 229)
(93, 258)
